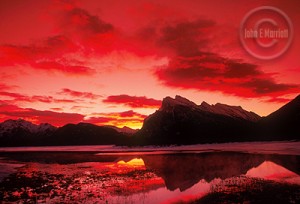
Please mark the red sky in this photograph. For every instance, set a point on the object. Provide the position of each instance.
(112, 62)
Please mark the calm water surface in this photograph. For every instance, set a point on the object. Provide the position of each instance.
(190, 174)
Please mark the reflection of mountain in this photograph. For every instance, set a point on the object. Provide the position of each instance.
(184, 170)
(177, 170)
(272, 171)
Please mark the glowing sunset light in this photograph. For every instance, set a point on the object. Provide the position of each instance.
(134, 163)
(112, 63)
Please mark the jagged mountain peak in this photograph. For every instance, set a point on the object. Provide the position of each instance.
(235, 111)
(204, 104)
(18, 121)
(10, 124)
(46, 127)
(185, 101)
(169, 103)
(124, 129)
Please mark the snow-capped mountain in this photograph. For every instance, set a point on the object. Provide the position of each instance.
(232, 111)
(9, 126)
(178, 121)
(181, 121)
(23, 133)
(169, 104)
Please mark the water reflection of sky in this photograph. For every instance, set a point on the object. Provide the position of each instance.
(266, 170)
(143, 178)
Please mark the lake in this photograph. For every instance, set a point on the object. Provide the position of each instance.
(257, 172)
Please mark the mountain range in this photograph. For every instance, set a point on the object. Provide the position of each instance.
(180, 121)
(177, 121)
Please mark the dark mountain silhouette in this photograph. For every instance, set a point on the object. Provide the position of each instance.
(24, 133)
(85, 134)
(282, 124)
(178, 121)
(125, 129)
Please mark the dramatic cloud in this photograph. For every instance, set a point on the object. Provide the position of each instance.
(65, 68)
(209, 72)
(191, 68)
(278, 100)
(131, 114)
(79, 20)
(44, 99)
(133, 101)
(80, 33)
(36, 116)
(17, 97)
(65, 55)
(186, 37)
(89, 32)
(48, 57)
(79, 94)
